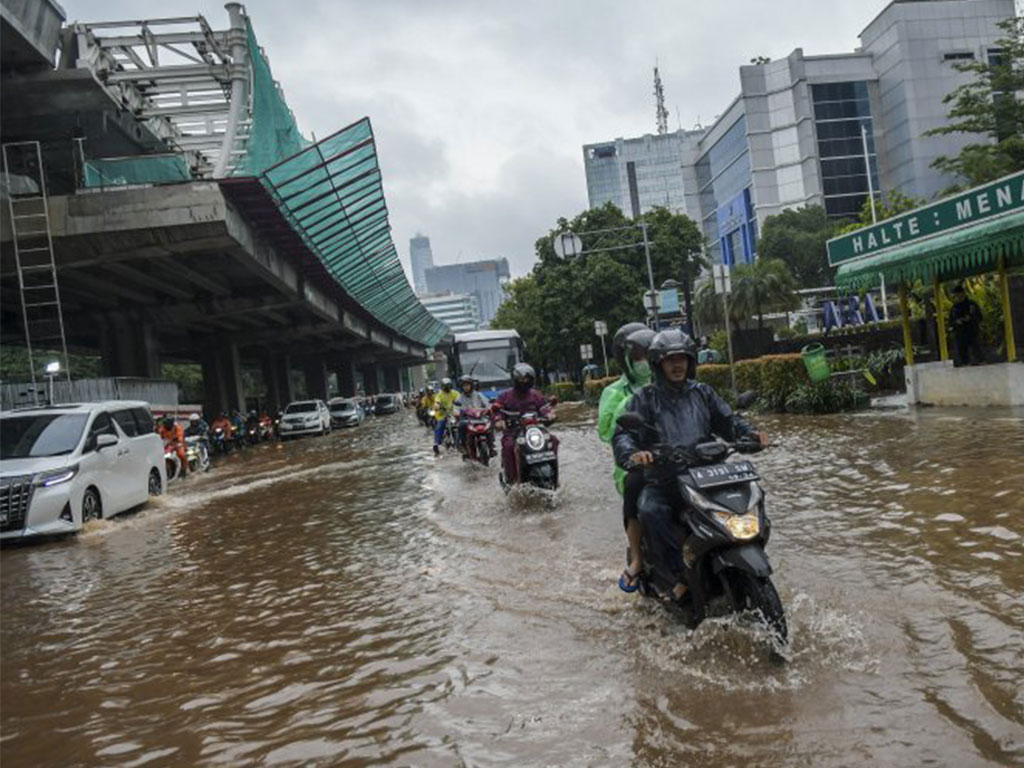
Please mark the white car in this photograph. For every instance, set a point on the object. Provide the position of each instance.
(305, 417)
(65, 464)
(345, 412)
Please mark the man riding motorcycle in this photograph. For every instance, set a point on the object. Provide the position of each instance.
(521, 398)
(629, 345)
(172, 433)
(197, 426)
(468, 397)
(686, 412)
(427, 405)
(444, 404)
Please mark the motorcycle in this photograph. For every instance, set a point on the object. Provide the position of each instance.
(220, 443)
(267, 429)
(479, 436)
(253, 433)
(536, 453)
(722, 529)
(172, 461)
(197, 451)
(450, 441)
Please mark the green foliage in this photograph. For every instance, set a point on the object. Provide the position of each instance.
(800, 327)
(985, 291)
(593, 388)
(797, 237)
(990, 107)
(785, 333)
(189, 378)
(14, 364)
(829, 396)
(886, 206)
(554, 307)
(564, 390)
(767, 285)
(719, 342)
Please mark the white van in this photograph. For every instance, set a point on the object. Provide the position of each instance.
(65, 464)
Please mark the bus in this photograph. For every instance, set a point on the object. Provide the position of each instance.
(488, 356)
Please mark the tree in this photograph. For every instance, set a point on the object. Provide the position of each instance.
(886, 206)
(554, 307)
(989, 106)
(797, 237)
(767, 285)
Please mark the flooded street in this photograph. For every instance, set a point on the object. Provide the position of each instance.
(351, 600)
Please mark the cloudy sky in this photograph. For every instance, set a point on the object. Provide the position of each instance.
(481, 108)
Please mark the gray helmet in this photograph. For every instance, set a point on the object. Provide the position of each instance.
(619, 342)
(672, 342)
(523, 376)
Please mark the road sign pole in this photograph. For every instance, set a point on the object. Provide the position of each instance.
(650, 274)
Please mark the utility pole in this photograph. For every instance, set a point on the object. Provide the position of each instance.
(874, 215)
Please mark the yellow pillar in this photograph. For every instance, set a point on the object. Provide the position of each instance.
(940, 319)
(908, 341)
(1004, 294)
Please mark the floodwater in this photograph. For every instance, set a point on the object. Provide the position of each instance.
(352, 601)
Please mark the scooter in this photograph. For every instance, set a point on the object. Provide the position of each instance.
(722, 529)
(172, 461)
(220, 443)
(197, 451)
(479, 436)
(536, 453)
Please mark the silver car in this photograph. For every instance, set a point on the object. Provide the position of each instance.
(63, 465)
(345, 412)
(305, 417)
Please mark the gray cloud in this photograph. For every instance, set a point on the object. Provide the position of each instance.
(481, 108)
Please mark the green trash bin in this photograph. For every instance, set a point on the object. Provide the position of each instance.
(815, 361)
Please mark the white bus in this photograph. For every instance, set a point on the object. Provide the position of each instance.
(488, 356)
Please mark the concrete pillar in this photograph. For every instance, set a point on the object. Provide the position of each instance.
(222, 378)
(370, 382)
(346, 373)
(129, 348)
(276, 373)
(392, 378)
(316, 377)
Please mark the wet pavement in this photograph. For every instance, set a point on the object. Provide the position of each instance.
(351, 601)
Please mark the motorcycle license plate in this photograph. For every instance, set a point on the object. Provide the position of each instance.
(723, 474)
(537, 458)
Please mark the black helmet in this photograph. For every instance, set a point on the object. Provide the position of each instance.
(672, 342)
(619, 342)
(523, 376)
(639, 339)
(168, 422)
(464, 380)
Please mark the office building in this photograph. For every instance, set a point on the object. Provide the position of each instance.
(459, 311)
(799, 131)
(484, 280)
(421, 258)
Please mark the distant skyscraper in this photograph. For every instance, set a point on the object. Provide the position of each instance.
(485, 280)
(422, 259)
(456, 310)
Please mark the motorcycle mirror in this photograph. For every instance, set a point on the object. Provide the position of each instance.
(747, 399)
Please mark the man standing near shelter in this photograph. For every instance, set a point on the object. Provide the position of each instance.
(965, 316)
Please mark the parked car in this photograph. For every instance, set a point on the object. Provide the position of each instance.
(305, 417)
(385, 404)
(345, 412)
(63, 465)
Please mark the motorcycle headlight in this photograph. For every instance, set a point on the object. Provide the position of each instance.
(743, 526)
(534, 438)
(56, 477)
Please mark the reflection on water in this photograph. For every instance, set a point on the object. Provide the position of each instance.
(352, 600)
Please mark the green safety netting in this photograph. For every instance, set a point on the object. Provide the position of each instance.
(141, 169)
(969, 251)
(331, 193)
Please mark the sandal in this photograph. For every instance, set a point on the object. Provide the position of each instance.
(629, 581)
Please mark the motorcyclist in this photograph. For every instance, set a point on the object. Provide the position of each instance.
(468, 397)
(629, 345)
(444, 404)
(427, 406)
(521, 398)
(686, 412)
(172, 433)
(197, 426)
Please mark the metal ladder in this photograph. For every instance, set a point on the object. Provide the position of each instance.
(25, 189)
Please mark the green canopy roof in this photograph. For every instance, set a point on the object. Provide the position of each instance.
(959, 253)
(331, 194)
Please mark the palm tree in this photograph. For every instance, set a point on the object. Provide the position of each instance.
(767, 285)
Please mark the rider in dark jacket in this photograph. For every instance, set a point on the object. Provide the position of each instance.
(686, 412)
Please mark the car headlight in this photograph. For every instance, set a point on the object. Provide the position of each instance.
(56, 477)
(534, 438)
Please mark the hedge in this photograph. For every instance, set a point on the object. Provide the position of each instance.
(564, 390)
(593, 388)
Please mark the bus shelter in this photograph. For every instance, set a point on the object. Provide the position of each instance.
(979, 231)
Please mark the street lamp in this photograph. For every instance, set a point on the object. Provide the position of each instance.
(52, 369)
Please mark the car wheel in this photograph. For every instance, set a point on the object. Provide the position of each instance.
(156, 485)
(92, 507)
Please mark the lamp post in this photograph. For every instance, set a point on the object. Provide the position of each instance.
(52, 369)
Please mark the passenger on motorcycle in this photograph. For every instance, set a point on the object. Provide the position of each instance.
(444, 404)
(197, 426)
(629, 345)
(469, 397)
(521, 398)
(172, 433)
(686, 412)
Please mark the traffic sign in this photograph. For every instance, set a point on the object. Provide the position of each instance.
(587, 351)
(567, 245)
(600, 328)
(723, 280)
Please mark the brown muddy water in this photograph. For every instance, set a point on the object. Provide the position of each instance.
(352, 601)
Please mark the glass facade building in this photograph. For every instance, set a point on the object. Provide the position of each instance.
(843, 123)
(724, 181)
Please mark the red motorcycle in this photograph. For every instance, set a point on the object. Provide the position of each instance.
(479, 444)
(536, 449)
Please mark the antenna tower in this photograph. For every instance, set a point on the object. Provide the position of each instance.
(659, 95)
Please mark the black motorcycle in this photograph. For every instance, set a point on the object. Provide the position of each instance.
(220, 444)
(722, 530)
(536, 453)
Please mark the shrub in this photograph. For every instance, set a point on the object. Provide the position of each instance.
(830, 396)
(564, 390)
(593, 388)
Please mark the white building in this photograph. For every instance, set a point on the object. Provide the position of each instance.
(459, 311)
(793, 136)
